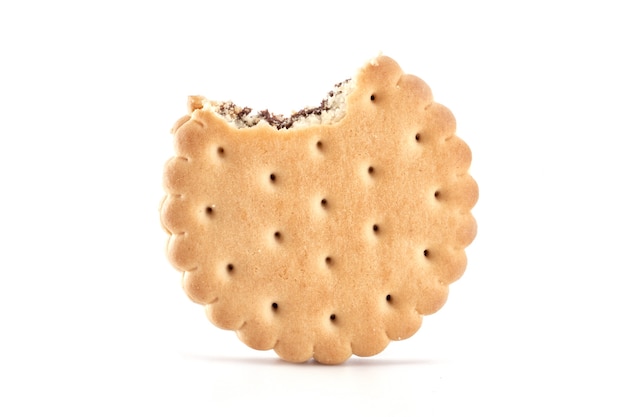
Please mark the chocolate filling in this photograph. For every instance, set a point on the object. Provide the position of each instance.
(242, 118)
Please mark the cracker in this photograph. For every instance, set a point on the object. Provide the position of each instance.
(326, 234)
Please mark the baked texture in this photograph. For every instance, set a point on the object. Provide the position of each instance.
(325, 240)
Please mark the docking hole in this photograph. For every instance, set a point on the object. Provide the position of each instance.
(417, 137)
(274, 306)
(426, 253)
(332, 317)
(388, 298)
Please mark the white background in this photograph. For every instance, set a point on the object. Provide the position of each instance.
(92, 317)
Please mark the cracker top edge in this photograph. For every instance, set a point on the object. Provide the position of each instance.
(332, 109)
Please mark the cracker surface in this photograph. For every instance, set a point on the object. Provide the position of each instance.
(328, 239)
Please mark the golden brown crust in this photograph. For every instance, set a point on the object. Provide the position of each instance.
(328, 240)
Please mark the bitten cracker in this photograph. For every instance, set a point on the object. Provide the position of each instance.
(327, 233)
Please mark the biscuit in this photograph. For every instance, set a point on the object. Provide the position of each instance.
(327, 233)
